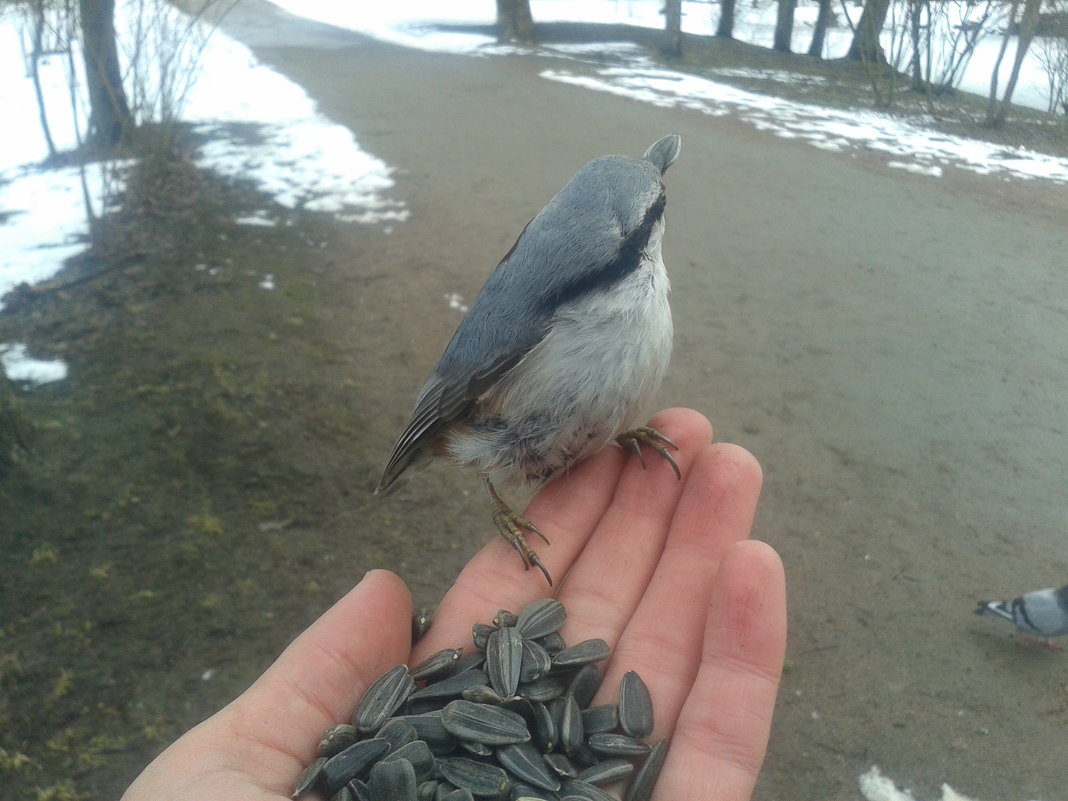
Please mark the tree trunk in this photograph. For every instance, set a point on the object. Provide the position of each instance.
(35, 74)
(819, 31)
(725, 28)
(784, 26)
(673, 27)
(915, 11)
(865, 46)
(515, 22)
(109, 116)
(1028, 23)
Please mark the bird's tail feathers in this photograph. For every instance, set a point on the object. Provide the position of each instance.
(994, 609)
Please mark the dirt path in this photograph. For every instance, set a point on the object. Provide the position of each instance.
(892, 348)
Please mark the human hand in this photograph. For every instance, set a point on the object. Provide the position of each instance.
(658, 568)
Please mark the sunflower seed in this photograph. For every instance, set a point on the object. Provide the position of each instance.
(418, 754)
(598, 719)
(397, 733)
(544, 689)
(607, 771)
(536, 661)
(360, 790)
(552, 642)
(430, 728)
(635, 706)
(472, 659)
(511, 723)
(309, 777)
(383, 698)
(570, 725)
(504, 660)
(337, 739)
(524, 792)
(478, 777)
(480, 633)
(584, 791)
(561, 765)
(644, 780)
(421, 620)
(526, 763)
(393, 781)
(584, 653)
(585, 684)
(342, 768)
(451, 686)
(486, 724)
(543, 728)
(478, 749)
(541, 618)
(608, 744)
(437, 665)
(504, 619)
(481, 694)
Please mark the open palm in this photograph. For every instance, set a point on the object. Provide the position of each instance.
(660, 569)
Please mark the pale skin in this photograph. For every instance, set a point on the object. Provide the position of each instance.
(661, 569)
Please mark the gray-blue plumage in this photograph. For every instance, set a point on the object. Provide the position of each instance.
(1041, 613)
(566, 342)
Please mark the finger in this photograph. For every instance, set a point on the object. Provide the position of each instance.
(722, 731)
(609, 582)
(663, 639)
(566, 511)
(319, 678)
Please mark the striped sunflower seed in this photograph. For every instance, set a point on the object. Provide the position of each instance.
(452, 686)
(641, 789)
(635, 706)
(383, 698)
(309, 777)
(608, 744)
(478, 777)
(527, 764)
(342, 768)
(607, 771)
(585, 684)
(437, 665)
(584, 791)
(393, 781)
(418, 754)
(504, 660)
(337, 739)
(535, 663)
(584, 653)
(599, 719)
(485, 724)
(541, 618)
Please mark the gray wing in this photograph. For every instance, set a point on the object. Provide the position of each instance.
(590, 235)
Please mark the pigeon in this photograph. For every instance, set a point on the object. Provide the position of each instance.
(1041, 613)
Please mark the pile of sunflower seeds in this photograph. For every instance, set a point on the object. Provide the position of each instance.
(509, 721)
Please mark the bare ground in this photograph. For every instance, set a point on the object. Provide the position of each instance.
(891, 347)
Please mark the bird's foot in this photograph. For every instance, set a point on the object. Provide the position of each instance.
(634, 439)
(511, 526)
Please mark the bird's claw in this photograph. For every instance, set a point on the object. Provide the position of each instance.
(634, 439)
(511, 526)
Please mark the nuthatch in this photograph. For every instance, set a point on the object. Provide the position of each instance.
(566, 342)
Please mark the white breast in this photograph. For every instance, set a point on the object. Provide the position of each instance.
(586, 382)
